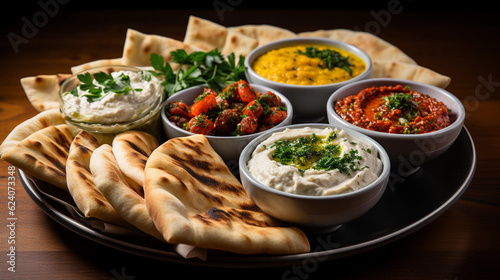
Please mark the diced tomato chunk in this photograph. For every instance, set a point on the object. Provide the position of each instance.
(203, 104)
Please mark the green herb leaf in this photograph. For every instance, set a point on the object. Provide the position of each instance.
(331, 58)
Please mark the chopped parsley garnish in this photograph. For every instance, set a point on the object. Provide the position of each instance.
(331, 58)
(198, 68)
(315, 152)
(403, 102)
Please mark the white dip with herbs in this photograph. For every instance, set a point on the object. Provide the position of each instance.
(318, 162)
(117, 97)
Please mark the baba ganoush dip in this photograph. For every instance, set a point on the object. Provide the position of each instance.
(118, 97)
(317, 162)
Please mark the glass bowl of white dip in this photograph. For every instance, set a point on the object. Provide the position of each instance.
(108, 100)
(319, 199)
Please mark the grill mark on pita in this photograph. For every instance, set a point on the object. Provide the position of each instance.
(198, 164)
(202, 219)
(247, 218)
(210, 182)
(211, 196)
(56, 163)
(136, 148)
(57, 172)
(59, 151)
(82, 149)
(99, 202)
(30, 158)
(218, 214)
(250, 207)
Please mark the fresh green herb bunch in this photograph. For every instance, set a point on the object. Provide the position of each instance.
(198, 68)
(331, 58)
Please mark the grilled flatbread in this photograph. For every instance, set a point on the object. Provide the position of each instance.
(139, 47)
(194, 199)
(111, 182)
(263, 33)
(43, 90)
(204, 34)
(26, 128)
(407, 71)
(132, 149)
(80, 181)
(43, 154)
(238, 44)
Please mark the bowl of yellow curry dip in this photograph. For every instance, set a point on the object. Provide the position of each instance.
(307, 71)
(415, 122)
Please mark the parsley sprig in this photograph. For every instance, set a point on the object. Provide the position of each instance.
(331, 58)
(105, 84)
(197, 68)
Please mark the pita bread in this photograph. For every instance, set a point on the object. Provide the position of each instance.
(139, 47)
(80, 181)
(387, 60)
(111, 182)
(132, 149)
(204, 34)
(43, 154)
(263, 33)
(97, 63)
(194, 199)
(26, 128)
(238, 44)
(412, 72)
(43, 90)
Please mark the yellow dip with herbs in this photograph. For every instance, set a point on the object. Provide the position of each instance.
(309, 65)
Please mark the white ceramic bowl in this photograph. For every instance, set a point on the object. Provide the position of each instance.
(308, 100)
(228, 147)
(406, 151)
(319, 213)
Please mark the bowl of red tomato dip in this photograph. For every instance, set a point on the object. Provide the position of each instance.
(229, 119)
(415, 122)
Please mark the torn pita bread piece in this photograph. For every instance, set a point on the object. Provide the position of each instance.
(29, 126)
(86, 196)
(139, 47)
(110, 181)
(97, 63)
(43, 90)
(193, 198)
(239, 44)
(43, 154)
(412, 72)
(132, 149)
(204, 34)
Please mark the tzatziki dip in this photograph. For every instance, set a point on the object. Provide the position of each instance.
(117, 97)
(316, 162)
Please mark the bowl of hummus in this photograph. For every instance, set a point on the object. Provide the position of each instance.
(307, 71)
(314, 175)
(108, 100)
(415, 122)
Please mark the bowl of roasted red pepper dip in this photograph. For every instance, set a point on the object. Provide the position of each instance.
(415, 122)
(229, 119)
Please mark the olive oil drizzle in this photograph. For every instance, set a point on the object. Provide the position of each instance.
(316, 152)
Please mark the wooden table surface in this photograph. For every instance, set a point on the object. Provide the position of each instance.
(462, 243)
